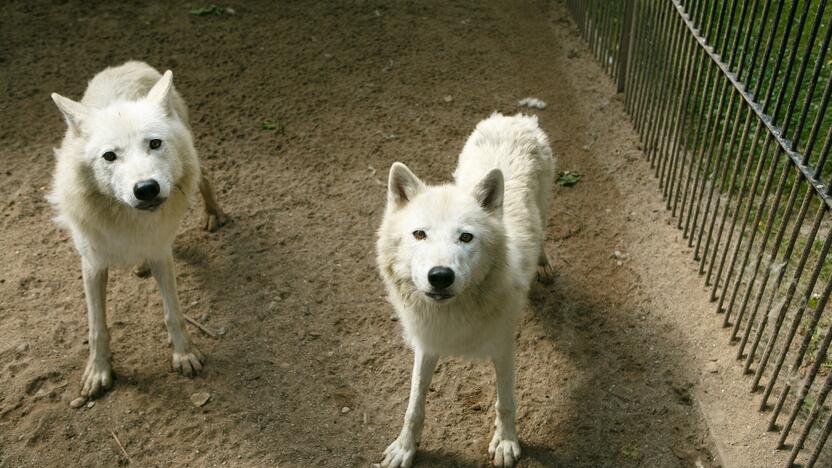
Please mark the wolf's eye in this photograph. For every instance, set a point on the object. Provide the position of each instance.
(466, 237)
(109, 156)
(155, 143)
(419, 234)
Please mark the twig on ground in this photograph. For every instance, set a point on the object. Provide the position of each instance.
(201, 327)
(121, 447)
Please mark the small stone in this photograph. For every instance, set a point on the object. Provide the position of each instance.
(199, 399)
(203, 317)
(77, 403)
(22, 347)
(222, 331)
(90, 404)
(448, 98)
(345, 410)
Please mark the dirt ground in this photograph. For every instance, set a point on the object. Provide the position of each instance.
(611, 357)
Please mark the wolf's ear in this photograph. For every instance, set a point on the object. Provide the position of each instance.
(402, 185)
(159, 94)
(74, 112)
(489, 191)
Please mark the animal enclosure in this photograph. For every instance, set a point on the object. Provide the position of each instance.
(731, 100)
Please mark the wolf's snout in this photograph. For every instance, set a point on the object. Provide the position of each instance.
(146, 190)
(440, 277)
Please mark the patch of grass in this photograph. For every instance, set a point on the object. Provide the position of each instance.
(631, 452)
(270, 125)
(568, 178)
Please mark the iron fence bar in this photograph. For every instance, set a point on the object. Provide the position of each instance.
(624, 41)
(648, 25)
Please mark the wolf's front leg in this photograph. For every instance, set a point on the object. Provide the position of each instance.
(98, 374)
(401, 452)
(504, 446)
(186, 357)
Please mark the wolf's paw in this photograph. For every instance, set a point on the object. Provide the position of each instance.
(98, 377)
(504, 452)
(189, 362)
(214, 220)
(545, 272)
(399, 454)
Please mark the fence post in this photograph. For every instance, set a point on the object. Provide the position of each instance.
(624, 44)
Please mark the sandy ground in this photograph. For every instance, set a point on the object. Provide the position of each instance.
(618, 361)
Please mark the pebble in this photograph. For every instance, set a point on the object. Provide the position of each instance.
(90, 404)
(345, 410)
(199, 399)
(448, 98)
(222, 331)
(22, 348)
(77, 403)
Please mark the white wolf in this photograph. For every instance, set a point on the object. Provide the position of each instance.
(458, 261)
(125, 174)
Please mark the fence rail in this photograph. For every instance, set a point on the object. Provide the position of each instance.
(731, 101)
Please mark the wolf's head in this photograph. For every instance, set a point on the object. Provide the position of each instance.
(444, 239)
(130, 146)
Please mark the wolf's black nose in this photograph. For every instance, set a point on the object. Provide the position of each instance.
(440, 277)
(146, 190)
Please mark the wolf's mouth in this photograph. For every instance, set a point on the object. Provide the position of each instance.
(439, 296)
(150, 205)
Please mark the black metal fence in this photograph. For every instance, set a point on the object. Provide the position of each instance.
(731, 100)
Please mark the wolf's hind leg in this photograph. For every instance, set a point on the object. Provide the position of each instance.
(98, 374)
(545, 272)
(187, 359)
(214, 217)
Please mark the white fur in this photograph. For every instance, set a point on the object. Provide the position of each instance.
(123, 109)
(500, 195)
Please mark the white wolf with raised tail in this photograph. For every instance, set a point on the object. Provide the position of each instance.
(458, 261)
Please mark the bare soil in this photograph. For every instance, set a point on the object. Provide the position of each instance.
(611, 358)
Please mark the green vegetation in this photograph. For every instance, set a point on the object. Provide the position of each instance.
(568, 178)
